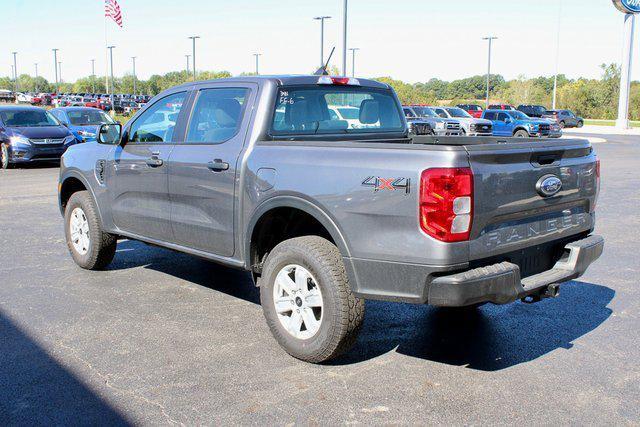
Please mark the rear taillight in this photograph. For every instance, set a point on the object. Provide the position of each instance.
(597, 183)
(446, 203)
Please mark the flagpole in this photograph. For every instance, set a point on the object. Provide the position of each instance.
(106, 56)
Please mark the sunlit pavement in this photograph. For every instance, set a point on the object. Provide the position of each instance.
(164, 338)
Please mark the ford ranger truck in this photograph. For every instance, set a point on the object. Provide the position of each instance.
(256, 174)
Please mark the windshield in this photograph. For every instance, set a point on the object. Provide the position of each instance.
(458, 112)
(27, 118)
(306, 110)
(88, 117)
(425, 112)
(518, 115)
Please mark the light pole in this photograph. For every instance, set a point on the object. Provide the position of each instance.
(490, 38)
(133, 58)
(93, 75)
(187, 56)
(321, 19)
(13, 76)
(555, 77)
(15, 72)
(625, 72)
(55, 65)
(344, 38)
(353, 60)
(111, 73)
(60, 70)
(36, 82)
(257, 55)
(193, 53)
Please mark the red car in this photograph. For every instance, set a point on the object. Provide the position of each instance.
(501, 107)
(473, 109)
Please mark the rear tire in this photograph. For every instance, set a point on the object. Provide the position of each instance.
(322, 291)
(90, 247)
(580, 123)
(4, 157)
(521, 134)
(562, 124)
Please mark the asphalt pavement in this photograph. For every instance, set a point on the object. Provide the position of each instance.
(164, 338)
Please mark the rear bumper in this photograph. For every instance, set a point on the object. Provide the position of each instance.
(501, 283)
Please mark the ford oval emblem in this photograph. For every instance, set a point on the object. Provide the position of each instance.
(548, 185)
(627, 6)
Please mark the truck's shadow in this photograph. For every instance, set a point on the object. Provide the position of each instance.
(489, 338)
(36, 389)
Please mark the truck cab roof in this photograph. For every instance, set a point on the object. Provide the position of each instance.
(290, 80)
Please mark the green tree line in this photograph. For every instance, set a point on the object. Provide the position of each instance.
(590, 98)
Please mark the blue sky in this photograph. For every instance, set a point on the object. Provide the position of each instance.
(412, 40)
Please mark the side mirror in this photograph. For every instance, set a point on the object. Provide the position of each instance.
(110, 133)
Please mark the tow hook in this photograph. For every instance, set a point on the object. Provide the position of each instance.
(550, 291)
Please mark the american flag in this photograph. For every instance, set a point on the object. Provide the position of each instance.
(112, 10)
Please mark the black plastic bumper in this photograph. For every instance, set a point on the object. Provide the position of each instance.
(501, 283)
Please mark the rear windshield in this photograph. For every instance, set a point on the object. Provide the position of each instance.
(310, 110)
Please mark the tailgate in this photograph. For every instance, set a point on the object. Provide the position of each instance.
(515, 207)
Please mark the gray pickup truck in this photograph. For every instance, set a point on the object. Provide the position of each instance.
(254, 173)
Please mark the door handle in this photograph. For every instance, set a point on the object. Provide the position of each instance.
(154, 162)
(218, 165)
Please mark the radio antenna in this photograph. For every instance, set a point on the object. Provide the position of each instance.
(322, 71)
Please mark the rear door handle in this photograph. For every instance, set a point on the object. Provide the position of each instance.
(154, 162)
(218, 165)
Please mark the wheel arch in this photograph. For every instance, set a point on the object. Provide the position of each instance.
(72, 182)
(291, 203)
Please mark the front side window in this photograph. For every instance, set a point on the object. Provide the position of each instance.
(217, 115)
(490, 115)
(157, 124)
(503, 117)
(362, 110)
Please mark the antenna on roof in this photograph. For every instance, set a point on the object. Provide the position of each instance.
(322, 71)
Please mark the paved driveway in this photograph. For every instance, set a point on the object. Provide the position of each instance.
(163, 338)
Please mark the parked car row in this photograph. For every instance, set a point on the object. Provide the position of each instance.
(31, 134)
(564, 118)
(125, 104)
(501, 121)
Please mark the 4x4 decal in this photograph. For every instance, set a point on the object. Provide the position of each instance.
(379, 183)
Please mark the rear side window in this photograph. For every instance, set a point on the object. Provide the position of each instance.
(217, 115)
(305, 110)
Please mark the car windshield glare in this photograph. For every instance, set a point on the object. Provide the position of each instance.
(425, 112)
(310, 110)
(458, 112)
(88, 117)
(27, 118)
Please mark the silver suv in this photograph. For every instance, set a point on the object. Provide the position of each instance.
(441, 127)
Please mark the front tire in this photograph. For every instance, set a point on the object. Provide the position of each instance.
(580, 123)
(90, 247)
(4, 157)
(521, 134)
(307, 301)
(562, 124)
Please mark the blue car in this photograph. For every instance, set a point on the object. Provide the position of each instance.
(516, 123)
(31, 134)
(83, 122)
